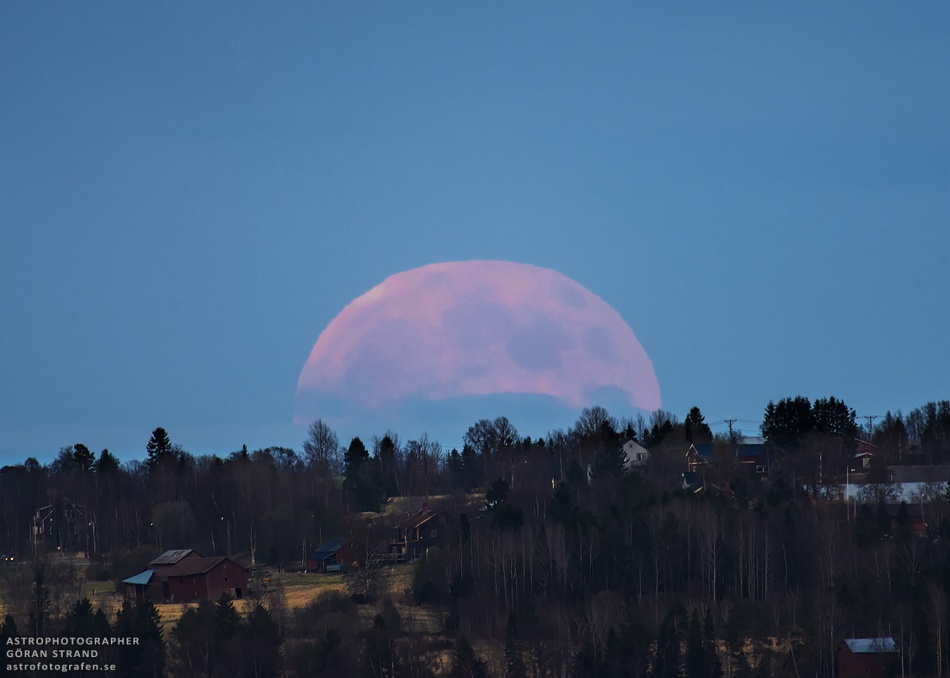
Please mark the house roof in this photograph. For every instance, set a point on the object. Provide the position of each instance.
(416, 519)
(750, 450)
(871, 645)
(704, 450)
(198, 565)
(172, 557)
(329, 548)
(140, 579)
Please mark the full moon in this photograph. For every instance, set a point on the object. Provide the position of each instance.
(473, 328)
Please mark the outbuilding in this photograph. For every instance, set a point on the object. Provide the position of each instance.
(184, 575)
(867, 658)
(336, 555)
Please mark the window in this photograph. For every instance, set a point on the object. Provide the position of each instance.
(433, 532)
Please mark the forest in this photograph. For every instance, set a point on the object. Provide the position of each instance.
(557, 558)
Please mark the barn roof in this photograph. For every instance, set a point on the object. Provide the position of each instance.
(329, 548)
(704, 450)
(140, 579)
(198, 565)
(172, 557)
(750, 451)
(416, 519)
(871, 645)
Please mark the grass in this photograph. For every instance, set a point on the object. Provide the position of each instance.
(299, 590)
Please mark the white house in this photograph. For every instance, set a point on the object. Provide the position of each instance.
(637, 455)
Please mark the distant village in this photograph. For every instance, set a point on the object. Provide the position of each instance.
(617, 547)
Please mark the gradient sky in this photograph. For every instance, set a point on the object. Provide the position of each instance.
(190, 192)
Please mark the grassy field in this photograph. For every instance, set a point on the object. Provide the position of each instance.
(295, 590)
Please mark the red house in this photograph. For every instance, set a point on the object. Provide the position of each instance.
(415, 534)
(867, 657)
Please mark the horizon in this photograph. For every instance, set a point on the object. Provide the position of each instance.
(190, 200)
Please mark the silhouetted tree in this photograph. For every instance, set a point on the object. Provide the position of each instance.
(321, 447)
(159, 448)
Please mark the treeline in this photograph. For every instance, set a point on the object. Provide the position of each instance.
(569, 565)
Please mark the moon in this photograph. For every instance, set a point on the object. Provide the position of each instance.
(472, 328)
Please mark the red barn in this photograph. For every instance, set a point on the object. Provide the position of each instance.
(184, 575)
(867, 657)
(203, 578)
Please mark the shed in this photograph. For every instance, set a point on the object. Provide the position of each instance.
(864, 657)
(336, 554)
(140, 587)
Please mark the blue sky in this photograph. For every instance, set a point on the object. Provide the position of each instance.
(190, 192)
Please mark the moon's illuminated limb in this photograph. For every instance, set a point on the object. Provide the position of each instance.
(477, 328)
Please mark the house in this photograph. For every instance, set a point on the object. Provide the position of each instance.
(415, 534)
(637, 455)
(860, 460)
(336, 555)
(698, 456)
(184, 575)
(874, 657)
(751, 451)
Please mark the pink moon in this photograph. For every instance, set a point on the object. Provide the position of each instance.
(472, 328)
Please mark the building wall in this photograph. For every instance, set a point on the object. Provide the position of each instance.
(225, 577)
(187, 588)
(869, 665)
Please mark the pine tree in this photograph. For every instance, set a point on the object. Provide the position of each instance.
(695, 659)
(713, 663)
(159, 448)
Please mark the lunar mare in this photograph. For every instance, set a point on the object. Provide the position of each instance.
(472, 328)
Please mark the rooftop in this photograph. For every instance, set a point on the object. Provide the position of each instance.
(140, 579)
(172, 557)
(329, 548)
(871, 645)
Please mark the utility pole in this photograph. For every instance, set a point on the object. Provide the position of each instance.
(730, 422)
(870, 418)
